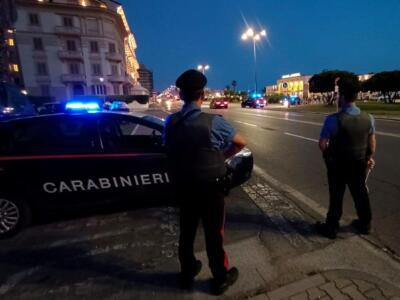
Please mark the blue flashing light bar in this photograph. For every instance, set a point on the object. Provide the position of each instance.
(255, 95)
(81, 106)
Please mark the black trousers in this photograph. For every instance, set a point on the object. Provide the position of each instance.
(202, 201)
(352, 174)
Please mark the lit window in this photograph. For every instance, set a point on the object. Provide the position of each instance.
(14, 68)
(10, 42)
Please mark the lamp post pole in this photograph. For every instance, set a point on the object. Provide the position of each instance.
(250, 34)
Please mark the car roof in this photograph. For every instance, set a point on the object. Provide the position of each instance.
(144, 119)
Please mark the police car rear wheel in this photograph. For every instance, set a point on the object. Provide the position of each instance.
(14, 215)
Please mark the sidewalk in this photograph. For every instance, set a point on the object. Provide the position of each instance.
(133, 255)
(289, 261)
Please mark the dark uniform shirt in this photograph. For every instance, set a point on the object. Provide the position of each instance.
(330, 127)
(222, 132)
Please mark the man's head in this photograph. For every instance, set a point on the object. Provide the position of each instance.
(348, 89)
(191, 85)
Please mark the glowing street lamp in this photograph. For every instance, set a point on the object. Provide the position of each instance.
(203, 68)
(250, 34)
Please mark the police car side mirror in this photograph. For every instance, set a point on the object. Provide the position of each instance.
(239, 168)
(156, 138)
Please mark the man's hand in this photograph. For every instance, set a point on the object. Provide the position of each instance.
(323, 144)
(238, 143)
(370, 163)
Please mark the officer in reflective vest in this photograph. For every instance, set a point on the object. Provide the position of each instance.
(198, 144)
(348, 144)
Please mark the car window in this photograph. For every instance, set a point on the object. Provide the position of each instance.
(130, 127)
(74, 135)
(52, 136)
(128, 134)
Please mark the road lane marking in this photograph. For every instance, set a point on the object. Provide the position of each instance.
(301, 137)
(388, 134)
(284, 119)
(244, 123)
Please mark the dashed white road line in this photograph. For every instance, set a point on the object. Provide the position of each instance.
(394, 135)
(284, 119)
(301, 137)
(248, 124)
(388, 134)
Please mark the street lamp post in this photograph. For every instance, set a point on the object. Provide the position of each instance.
(255, 37)
(203, 68)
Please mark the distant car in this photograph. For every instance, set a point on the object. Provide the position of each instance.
(119, 106)
(291, 100)
(51, 108)
(218, 103)
(254, 102)
(14, 102)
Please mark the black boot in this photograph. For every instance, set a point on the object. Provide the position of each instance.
(219, 286)
(326, 230)
(360, 227)
(187, 277)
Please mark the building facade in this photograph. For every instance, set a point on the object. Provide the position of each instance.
(9, 60)
(70, 48)
(146, 78)
(291, 85)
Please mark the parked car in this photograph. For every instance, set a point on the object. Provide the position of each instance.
(14, 102)
(51, 108)
(219, 103)
(119, 106)
(78, 160)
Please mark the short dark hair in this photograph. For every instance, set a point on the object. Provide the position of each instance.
(190, 96)
(349, 88)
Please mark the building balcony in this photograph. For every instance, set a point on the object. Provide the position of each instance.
(114, 56)
(116, 78)
(65, 30)
(75, 55)
(73, 78)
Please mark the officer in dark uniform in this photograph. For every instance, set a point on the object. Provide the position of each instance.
(198, 144)
(348, 144)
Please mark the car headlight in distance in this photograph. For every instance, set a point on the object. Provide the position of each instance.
(286, 103)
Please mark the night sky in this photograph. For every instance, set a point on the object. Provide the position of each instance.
(304, 36)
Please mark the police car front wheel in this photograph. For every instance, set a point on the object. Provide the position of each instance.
(14, 215)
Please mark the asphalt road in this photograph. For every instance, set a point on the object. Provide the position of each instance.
(285, 146)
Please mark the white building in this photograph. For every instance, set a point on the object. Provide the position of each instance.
(70, 48)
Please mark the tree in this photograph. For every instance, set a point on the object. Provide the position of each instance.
(387, 83)
(324, 83)
(234, 85)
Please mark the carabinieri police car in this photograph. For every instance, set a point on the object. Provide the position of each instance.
(83, 159)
